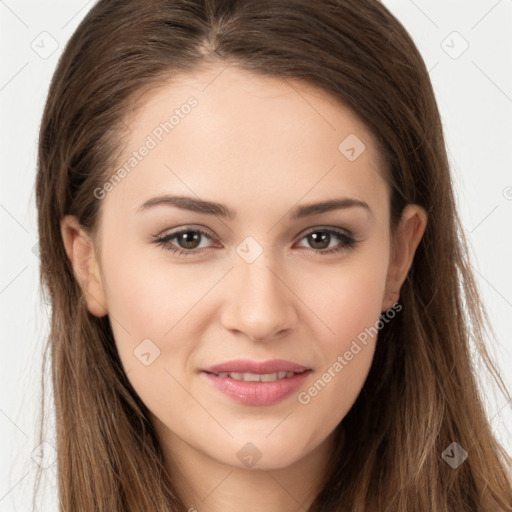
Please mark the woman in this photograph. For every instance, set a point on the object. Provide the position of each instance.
(261, 293)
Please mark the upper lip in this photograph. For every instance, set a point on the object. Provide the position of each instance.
(248, 366)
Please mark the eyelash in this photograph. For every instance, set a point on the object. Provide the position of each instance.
(164, 241)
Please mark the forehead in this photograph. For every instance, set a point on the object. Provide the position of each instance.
(245, 138)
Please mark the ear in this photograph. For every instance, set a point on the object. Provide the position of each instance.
(408, 234)
(80, 250)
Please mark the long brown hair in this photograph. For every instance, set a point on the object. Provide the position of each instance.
(421, 394)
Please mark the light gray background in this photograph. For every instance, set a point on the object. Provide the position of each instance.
(474, 92)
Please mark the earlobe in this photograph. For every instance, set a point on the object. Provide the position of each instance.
(407, 237)
(80, 251)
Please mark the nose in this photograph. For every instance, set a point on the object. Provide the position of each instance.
(260, 303)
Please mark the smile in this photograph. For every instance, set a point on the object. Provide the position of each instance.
(256, 377)
(257, 389)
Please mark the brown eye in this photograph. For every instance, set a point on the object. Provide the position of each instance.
(319, 239)
(187, 241)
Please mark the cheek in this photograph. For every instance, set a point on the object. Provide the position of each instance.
(156, 312)
(347, 299)
(148, 298)
(149, 314)
(350, 306)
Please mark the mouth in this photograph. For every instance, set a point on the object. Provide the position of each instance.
(257, 383)
(257, 377)
(262, 368)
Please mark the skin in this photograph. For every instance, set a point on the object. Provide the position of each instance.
(261, 146)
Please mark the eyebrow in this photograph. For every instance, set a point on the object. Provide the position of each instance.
(221, 210)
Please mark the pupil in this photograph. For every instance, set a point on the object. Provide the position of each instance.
(323, 240)
(190, 237)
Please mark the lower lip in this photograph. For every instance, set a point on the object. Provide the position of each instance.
(258, 393)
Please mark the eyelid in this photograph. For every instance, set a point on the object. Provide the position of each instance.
(193, 227)
(347, 239)
(170, 234)
(335, 229)
(207, 232)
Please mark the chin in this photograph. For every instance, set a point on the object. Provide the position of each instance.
(265, 454)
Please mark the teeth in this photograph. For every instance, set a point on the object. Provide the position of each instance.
(255, 377)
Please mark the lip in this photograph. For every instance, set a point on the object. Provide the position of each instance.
(257, 393)
(248, 366)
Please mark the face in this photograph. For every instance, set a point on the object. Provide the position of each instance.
(261, 276)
